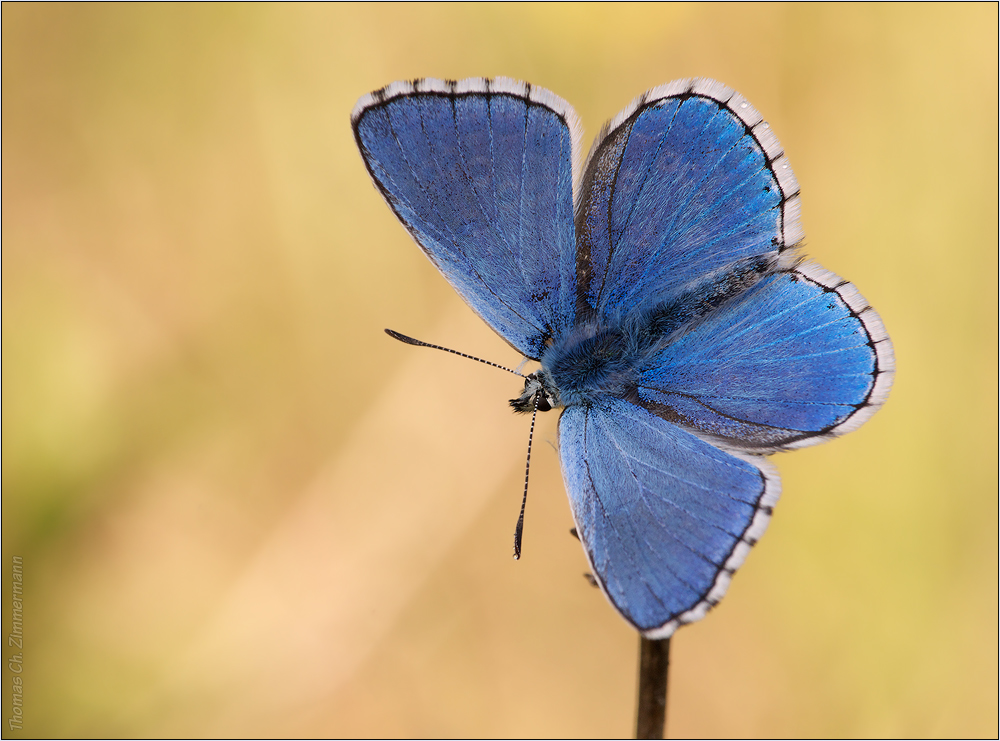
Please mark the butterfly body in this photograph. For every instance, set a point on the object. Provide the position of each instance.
(662, 294)
(602, 358)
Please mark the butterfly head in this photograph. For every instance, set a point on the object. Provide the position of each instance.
(537, 384)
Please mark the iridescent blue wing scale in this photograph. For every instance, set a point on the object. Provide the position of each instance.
(481, 174)
(665, 518)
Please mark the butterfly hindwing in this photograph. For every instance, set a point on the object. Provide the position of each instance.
(798, 358)
(665, 518)
(481, 174)
(685, 182)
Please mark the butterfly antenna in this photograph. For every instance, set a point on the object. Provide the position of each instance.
(410, 341)
(524, 500)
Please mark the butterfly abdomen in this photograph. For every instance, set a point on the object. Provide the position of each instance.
(711, 292)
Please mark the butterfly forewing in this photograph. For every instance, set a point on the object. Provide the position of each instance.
(481, 174)
(681, 186)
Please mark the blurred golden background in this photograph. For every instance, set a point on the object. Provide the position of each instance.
(243, 510)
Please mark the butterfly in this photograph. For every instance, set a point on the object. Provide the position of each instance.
(661, 292)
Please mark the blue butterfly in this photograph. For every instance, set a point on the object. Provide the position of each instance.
(675, 325)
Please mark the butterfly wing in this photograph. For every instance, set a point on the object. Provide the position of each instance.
(688, 200)
(685, 182)
(687, 212)
(481, 173)
(798, 358)
(664, 517)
